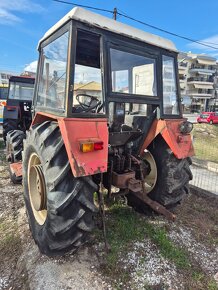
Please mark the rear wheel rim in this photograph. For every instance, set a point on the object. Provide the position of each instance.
(37, 189)
(151, 179)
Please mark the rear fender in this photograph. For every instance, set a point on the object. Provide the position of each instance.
(180, 144)
(73, 130)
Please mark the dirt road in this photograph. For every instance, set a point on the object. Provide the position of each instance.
(180, 255)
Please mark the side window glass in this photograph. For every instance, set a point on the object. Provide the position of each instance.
(52, 81)
(87, 97)
(170, 94)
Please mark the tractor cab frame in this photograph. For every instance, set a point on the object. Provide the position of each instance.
(128, 65)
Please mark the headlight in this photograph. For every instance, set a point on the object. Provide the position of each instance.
(186, 127)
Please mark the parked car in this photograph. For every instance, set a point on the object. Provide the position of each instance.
(208, 117)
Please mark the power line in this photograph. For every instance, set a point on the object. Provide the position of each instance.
(84, 6)
(206, 44)
(166, 31)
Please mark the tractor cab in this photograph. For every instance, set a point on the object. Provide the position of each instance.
(91, 66)
(106, 117)
(17, 112)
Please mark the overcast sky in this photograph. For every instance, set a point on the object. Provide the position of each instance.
(23, 23)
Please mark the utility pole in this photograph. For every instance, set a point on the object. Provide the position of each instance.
(115, 14)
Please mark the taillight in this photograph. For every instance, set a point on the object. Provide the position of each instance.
(98, 146)
(10, 108)
(91, 146)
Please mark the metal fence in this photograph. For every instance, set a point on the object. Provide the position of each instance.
(205, 161)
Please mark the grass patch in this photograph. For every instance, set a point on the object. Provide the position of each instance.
(124, 228)
(2, 145)
(10, 240)
(205, 142)
(167, 249)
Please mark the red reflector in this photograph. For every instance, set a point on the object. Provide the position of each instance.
(98, 146)
(11, 108)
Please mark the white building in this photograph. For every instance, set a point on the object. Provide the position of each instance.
(197, 81)
(4, 76)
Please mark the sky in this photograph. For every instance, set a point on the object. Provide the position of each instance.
(24, 22)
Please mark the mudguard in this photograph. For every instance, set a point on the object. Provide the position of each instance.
(73, 130)
(180, 144)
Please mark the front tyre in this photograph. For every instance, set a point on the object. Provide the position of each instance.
(60, 207)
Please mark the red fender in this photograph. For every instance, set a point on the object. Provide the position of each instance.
(73, 130)
(180, 144)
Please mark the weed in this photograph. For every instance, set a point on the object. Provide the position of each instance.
(212, 285)
(168, 250)
(2, 145)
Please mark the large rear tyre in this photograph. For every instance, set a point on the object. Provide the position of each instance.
(14, 146)
(8, 125)
(60, 207)
(173, 176)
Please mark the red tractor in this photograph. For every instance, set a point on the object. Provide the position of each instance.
(17, 118)
(106, 114)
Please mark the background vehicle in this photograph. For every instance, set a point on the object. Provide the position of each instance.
(3, 98)
(17, 114)
(17, 118)
(106, 114)
(208, 117)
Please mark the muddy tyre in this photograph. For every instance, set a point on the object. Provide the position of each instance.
(14, 146)
(173, 176)
(8, 125)
(62, 218)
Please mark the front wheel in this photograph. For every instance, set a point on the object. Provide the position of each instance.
(173, 176)
(60, 207)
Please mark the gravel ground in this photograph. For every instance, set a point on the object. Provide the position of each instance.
(23, 267)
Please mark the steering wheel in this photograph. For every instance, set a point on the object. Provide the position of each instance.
(93, 104)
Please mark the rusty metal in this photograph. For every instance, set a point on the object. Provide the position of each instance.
(134, 185)
(102, 213)
(16, 168)
(121, 180)
(156, 206)
(143, 195)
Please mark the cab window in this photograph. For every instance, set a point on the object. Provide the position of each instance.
(52, 81)
(87, 94)
(170, 93)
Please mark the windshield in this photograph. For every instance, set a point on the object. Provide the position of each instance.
(204, 116)
(132, 73)
(3, 93)
(21, 91)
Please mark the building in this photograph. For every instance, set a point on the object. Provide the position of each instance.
(4, 77)
(197, 76)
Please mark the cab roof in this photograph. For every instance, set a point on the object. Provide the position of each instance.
(105, 23)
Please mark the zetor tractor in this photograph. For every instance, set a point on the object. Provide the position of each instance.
(17, 118)
(106, 115)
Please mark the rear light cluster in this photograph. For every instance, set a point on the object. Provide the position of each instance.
(91, 146)
(11, 108)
